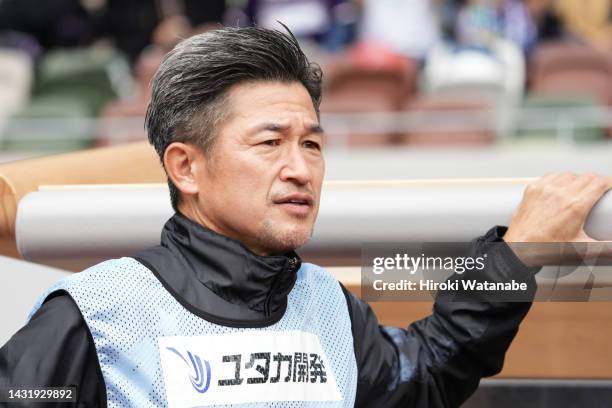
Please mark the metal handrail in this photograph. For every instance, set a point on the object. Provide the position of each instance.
(339, 125)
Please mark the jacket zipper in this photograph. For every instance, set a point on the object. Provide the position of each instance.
(290, 269)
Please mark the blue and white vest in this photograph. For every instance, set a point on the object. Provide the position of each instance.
(154, 352)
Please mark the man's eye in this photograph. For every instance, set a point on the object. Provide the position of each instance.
(272, 142)
(309, 144)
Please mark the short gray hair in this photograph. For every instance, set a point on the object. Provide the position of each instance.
(190, 86)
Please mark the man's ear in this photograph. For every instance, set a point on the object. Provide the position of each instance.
(182, 163)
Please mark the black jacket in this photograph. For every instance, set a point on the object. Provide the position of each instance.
(435, 362)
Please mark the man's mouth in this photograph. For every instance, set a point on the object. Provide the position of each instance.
(295, 199)
(297, 204)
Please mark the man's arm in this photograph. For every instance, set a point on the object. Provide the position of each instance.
(54, 348)
(439, 361)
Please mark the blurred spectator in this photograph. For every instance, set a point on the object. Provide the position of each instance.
(56, 23)
(134, 24)
(409, 28)
(518, 24)
(478, 24)
(330, 23)
(131, 24)
(588, 20)
(22, 42)
(548, 24)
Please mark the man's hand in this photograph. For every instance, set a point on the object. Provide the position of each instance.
(554, 209)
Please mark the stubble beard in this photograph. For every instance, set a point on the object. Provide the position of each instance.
(279, 240)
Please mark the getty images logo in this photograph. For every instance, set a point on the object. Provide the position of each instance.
(201, 380)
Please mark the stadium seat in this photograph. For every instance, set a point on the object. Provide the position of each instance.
(71, 88)
(94, 76)
(369, 81)
(466, 121)
(122, 120)
(51, 124)
(610, 80)
(497, 74)
(16, 75)
(569, 68)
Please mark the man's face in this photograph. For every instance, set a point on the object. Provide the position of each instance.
(262, 182)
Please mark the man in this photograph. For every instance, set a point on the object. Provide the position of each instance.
(224, 311)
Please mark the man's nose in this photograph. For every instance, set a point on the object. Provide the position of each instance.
(295, 167)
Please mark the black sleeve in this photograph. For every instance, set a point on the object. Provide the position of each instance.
(438, 361)
(54, 348)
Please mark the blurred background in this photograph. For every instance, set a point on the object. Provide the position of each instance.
(412, 89)
(498, 75)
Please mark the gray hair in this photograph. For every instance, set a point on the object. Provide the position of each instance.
(190, 87)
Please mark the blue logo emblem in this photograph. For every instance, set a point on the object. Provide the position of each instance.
(201, 380)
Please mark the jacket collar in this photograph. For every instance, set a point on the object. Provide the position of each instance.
(198, 264)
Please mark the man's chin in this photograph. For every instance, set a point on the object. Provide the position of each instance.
(292, 242)
(280, 240)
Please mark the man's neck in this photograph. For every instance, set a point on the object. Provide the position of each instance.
(191, 212)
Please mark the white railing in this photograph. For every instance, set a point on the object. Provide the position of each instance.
(339, 126)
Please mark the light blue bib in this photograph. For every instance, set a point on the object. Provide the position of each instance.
(132, 317)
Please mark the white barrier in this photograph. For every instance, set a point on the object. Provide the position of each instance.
(110, 221)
